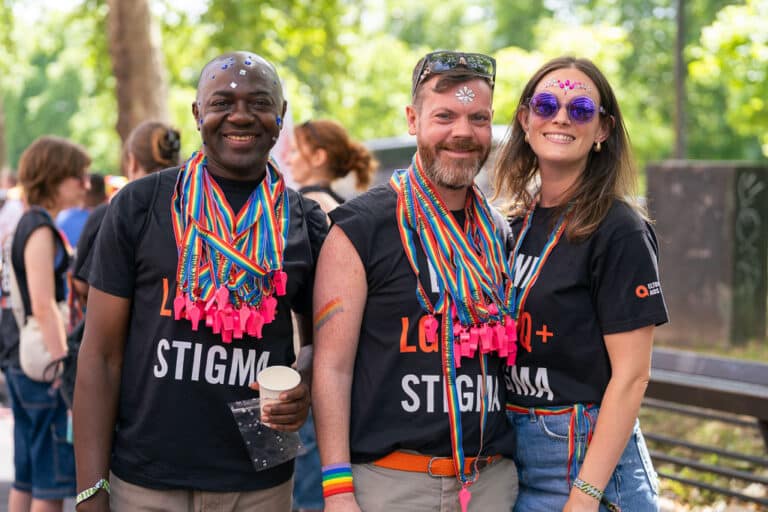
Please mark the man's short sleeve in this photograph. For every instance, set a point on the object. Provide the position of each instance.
(85, 243)
(316, 224)
(112, 268)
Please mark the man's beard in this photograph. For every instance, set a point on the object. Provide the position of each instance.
(452, 173)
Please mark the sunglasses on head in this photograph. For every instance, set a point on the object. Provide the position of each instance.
(581, 109)
(436, 63)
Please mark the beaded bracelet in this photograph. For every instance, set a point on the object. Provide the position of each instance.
(91, 491)
(337, 479)
(594, 492)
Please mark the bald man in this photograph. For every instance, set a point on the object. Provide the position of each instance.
(194, 276)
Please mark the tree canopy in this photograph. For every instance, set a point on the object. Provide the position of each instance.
(352, 61)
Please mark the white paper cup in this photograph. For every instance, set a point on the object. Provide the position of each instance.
(273, 380)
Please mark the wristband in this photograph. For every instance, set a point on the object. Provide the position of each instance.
(91, 491)
(337, 479)
(594, 492)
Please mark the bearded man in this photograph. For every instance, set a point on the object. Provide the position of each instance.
(411, 318)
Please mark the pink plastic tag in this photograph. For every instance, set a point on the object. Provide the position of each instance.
(430, 329)
(512, 355)
(464, 497)
(222, 297)
(511, 328)
(485, 339)
(193, 313)
(226, 336)
(178, 306)
(243, 315)
(237, 330)
(280, 280)
(492, 309)
(270, 307)
(474, 337)
(227, 322)
(216, 327)
(457, 353)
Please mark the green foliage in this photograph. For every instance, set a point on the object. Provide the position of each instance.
(733, 53)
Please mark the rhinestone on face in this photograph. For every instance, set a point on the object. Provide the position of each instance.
(242, 72)
(232, 84)
(465, 95)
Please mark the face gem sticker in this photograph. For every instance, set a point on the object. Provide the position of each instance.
(232, 84)
(242, 72)
(465, 95)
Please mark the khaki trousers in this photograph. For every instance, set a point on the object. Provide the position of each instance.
(389, 490)
(127, 497)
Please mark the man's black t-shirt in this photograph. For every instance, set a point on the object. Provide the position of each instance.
(606, 284)
(398, 398)
(174, 427)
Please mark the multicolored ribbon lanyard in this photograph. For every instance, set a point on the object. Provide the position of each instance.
(471, 268)
(230, 266)
(520, 297)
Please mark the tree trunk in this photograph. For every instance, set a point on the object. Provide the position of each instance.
(141, 88)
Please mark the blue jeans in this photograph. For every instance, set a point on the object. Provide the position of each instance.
(307, 480)
(43, 459)
(542, 465)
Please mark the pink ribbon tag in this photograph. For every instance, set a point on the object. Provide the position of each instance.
(216, 327)
(194, 313)
(210, 315)
(226, 336)
(464, 497)
(178, 306)
(280, 280)
(222, 297)
(430, 329)
(457, 353)
(237, 330)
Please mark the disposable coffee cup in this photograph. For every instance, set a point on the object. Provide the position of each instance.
(273, 380)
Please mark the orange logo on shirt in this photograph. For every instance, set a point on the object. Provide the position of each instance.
(641, 291)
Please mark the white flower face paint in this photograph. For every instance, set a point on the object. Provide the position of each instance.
(465, 95)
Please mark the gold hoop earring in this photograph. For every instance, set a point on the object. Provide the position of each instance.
(598, 147)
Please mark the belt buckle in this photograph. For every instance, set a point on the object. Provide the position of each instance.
(429, 467)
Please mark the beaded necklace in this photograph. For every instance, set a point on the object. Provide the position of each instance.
(230, 267)
(475, 292)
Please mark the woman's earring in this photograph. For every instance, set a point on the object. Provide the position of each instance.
(527, 139)
(598, 147)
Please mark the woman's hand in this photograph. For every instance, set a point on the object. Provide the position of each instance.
(580, 502)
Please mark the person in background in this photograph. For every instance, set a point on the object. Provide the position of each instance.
(150, 146)
(587, 296)
(72, 220)
(52, 173)
(321, 152)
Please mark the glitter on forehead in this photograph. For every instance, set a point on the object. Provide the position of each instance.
(232, 84)
(567, 85)
(213, 76)
(465, 95)
(242, 72)
(248, 62)
(224, 66)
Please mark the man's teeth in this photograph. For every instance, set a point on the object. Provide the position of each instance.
(240, 137)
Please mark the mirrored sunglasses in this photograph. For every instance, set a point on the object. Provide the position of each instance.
(581, 109)
(439, 62)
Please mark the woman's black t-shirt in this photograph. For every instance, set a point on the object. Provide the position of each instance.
(606, 284)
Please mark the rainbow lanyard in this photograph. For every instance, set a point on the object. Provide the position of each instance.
(471, 268)
(229, 266)
(525, 289)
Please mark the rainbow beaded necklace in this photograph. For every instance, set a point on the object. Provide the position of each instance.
(475, 295)
(230, 266)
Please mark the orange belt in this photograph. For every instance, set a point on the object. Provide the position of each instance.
(433, 466)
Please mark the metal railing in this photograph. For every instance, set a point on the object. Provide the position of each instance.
(710, 388)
